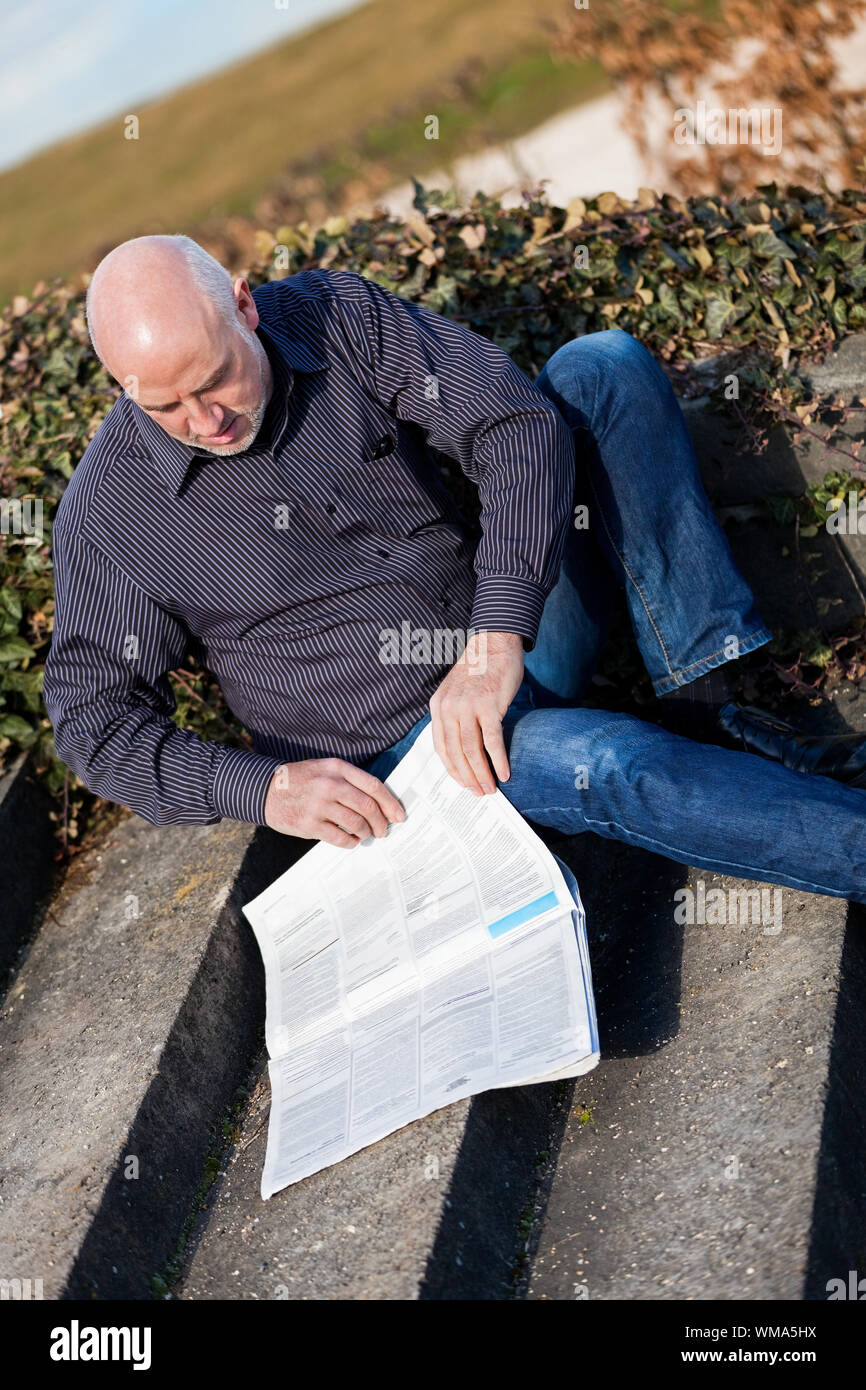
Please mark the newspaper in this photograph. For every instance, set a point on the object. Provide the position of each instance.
(448, 957)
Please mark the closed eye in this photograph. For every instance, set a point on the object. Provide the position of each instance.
(218, 377)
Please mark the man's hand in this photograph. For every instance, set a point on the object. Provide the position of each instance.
(328, 799)
(468, 708)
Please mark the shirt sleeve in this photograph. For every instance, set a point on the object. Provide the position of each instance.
(110, 702)
(477, 406)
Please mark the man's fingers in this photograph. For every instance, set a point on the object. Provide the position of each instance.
(334, 835)
(330, 799)
(349, 820)
(439, 745)
(366, 782)
(462, 768)
(495, 744)
(473, 749)
(364, 806)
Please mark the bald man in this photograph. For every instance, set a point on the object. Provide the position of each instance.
(267, 494)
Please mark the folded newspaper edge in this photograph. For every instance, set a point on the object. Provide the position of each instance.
(447, 958)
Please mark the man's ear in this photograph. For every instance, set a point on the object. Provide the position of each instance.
(245, 302)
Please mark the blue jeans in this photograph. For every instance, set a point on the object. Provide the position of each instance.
(651, 530)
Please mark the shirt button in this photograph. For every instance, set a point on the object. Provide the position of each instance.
(330, 509)
(384, 553)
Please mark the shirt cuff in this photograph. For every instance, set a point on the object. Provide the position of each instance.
(240, 782)
(505, 603)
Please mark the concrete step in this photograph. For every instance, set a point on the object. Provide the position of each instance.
(27, 853)
(821, 586)
(430, 1211)
(784, 467)
(130, 1024)
(732, 477)
(712, 1153)
(741, 482)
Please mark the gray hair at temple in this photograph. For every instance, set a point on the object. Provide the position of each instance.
(211, 279)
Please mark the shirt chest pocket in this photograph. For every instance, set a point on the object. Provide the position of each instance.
(391, 488)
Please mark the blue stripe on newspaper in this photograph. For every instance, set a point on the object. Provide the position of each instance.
(522, 914)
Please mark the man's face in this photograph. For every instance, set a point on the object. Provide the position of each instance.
(210, 390)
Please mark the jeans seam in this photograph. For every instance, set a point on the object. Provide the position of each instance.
(761, 632)
(719, 652)
(614, 546)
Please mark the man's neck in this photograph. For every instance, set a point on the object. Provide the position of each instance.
(269, 379)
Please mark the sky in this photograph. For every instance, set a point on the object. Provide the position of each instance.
(67, 66)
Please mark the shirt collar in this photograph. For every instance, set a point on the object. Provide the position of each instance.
(287, 356)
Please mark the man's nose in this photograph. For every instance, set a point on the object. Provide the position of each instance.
(205, 420)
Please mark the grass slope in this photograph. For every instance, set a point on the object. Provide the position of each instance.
(350, 92)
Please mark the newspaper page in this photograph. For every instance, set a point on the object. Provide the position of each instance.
(444, 959)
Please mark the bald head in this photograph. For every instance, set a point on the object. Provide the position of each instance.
(169, 324)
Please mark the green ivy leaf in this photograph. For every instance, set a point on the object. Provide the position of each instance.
(15, 649)
(767, 244)
(10, 611)
(720, 314)
(667, 300)
(14, 727)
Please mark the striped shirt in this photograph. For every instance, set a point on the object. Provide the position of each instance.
(301, 570)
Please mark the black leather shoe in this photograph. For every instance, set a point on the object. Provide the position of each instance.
(841, 756)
